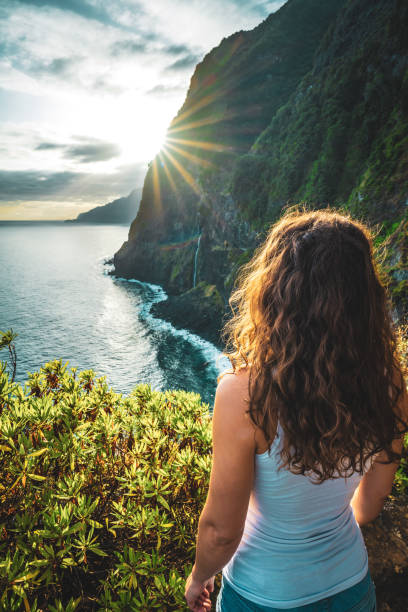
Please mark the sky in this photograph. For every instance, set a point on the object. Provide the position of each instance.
(88, 89)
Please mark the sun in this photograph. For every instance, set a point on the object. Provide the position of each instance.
(138, 127)
(136, 124)
(144, 139)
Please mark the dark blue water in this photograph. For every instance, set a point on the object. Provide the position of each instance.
(56, 293)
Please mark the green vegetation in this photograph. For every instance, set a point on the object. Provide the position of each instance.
(234, 93)
(100, 493)
(342, 137)
(274, 118)
(241, 84)
(7, 340)
(401, 477)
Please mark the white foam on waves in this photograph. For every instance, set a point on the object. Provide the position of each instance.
(157, 294)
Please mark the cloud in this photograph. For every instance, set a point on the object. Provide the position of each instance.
(184, 63)
(165, 90)
(176, 49)
(84, 151)
(102, 84)
(23, 185)
(79, 7)
(48, 146)
(59, 66)
(48, 52)
(94, 152)
(150, 44)
(128, 47)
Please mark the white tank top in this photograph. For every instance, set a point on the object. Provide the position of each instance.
(301, 542)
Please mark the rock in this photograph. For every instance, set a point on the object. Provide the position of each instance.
(387, 545)
(200, 310)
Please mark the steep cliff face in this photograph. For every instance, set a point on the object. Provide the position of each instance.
(342, 138)
(312, 105)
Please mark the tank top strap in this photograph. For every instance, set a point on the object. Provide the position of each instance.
(277, 443)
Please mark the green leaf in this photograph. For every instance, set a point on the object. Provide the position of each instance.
(38, 452)
(163, 502)
(158, 583)
(26, 577)
(36, 477)
(94, 523)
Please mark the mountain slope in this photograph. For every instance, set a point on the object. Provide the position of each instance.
(329, 127)
(122, 210)
(233, 95)
(342, 138)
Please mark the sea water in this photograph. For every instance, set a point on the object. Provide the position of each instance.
(57, 293)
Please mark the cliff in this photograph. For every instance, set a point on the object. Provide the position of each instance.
(311, 106)
(122, 210)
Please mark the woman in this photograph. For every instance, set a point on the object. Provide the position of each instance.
(307, 429)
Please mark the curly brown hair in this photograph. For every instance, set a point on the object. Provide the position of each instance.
(311, 321)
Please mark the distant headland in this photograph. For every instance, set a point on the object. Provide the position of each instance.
(122, 210)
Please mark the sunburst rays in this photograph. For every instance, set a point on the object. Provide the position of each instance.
(190, 156)
(185, 157)
(205, 101)
(187, 176)
(168, 174)
(196, 136)
(156, 186)
(205, 121)
(199, 144)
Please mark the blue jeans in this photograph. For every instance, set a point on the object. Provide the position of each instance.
(358, 598)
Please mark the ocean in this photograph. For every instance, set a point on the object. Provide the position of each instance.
(57, 294)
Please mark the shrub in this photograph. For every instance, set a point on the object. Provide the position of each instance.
(100, 493)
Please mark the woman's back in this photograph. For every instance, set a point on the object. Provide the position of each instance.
(301, 541)
(313, 350)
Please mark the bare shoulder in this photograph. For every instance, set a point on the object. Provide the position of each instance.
(234, 383)
(232, 400)
(231, 407)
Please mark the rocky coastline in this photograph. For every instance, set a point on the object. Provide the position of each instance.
(201, 310)
(323, 123)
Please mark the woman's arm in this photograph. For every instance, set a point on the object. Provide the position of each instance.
(375, 486)
(222, 520)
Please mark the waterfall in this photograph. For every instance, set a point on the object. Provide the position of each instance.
(195, 261)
